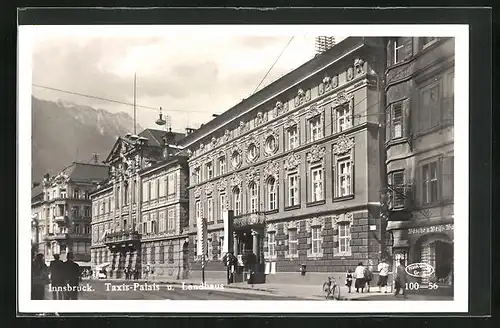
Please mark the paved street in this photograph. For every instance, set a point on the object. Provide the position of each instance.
(116, 290)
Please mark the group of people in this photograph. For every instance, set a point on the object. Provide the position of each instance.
(63, 277)
(131, 274)
(362, 277)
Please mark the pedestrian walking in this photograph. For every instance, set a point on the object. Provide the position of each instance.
(56, 269)
(383, 273)
(400, 279)
(126, 273)
(359, 274)
(368, 279)
(72, 277)
(348, 279)
(39, 277)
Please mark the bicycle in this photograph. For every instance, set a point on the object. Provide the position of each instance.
(330, 287)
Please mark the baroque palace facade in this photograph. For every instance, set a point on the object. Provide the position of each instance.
(61, 212)
(140, 213)
(300, 163)
(419, 146)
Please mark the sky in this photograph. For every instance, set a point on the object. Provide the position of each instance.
(190, 75)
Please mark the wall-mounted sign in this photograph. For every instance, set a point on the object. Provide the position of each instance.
(431, 229)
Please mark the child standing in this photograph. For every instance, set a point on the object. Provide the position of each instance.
(348, 280)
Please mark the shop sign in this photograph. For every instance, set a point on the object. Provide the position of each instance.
(419, 270)
(431, 229)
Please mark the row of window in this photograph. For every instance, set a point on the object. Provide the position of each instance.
(399, 53)
(76, 211)
(435, 107)
(434, 183)
(210, 254)
(163, 221)
(62, 193)
(342, 116)
(315, 180)
(161, 187)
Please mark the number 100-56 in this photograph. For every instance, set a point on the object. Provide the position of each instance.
(416, 286)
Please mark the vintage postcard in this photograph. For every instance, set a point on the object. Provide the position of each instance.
(305, 165)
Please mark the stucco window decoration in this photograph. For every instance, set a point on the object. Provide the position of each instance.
(343, 145)
(316, 154)
(197, 192)
(343, 98)
(358, 66)
(235, 181)
(252, 176)
(209, 188)
(292, 162)
(252, 151)
(314, 111)
(222, 184)
(342, 219)
(271, 143)
(227, 135)
(291, 122)
(271, 170)
(315, 226)
(236, 157)
(302, 97)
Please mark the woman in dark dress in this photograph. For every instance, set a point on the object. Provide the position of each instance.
(39, 278)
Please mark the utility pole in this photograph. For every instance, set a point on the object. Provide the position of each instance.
(203, 248)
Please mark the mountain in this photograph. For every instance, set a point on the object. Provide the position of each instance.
(64, 132)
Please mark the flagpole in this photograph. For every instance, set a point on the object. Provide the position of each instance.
(135, 86)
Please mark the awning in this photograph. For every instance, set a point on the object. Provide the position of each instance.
(102, 266)
(83, 264)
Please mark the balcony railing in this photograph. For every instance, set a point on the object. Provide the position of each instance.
(121, 236)
(60, 218)
(250, 219)
(56, 236)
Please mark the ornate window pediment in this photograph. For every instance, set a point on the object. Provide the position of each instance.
(316, 154)
(290, 225)
(252, 175)
(342, 98)
(222, 184)
(197, 192)
(235, 180)
(315, 222)
(292, 162)
(291, 122)
(314, 110)
(272, 227)
(342, 218)
(343, 145)
(209, 188)
(271, 169)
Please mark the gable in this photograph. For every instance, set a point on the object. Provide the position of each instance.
(121, 145)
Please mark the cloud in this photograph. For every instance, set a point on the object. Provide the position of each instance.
(194, 75)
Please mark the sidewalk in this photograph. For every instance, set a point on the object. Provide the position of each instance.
(308, 292)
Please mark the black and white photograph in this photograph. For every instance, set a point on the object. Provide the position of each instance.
(310, 166)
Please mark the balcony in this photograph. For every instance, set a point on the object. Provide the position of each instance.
(121, 237)
(247, 220)
(61, 218)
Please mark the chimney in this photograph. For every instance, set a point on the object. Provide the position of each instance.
(95, 158)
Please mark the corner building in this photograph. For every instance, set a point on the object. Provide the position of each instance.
(140, 214)
(301, 165)
(420, 147)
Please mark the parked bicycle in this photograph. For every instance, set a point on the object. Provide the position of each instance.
(330, 287)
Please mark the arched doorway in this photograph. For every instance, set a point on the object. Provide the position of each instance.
(437, 251)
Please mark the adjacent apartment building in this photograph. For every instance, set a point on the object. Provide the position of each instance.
(300, 163)
(139, 218)
(419, 147)
(61, 211)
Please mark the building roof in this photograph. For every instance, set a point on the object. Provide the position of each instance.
(86, 172)
(37, 191)
(155, 136)
(281, 85)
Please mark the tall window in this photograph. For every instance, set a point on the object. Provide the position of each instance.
(171, 253)
(209, 171)
(344, 238)
(222, 165)
(171, 219)
(221, 247)
(125, 194)
(222, 204)
(210, 210)
(152, 189)
(317, 184)
(63, 193)
(145, 191)
(430, 183)
(293, 190)
(293, 242)
(161, 221)
(271, 192)
(153, 254)
(162, 186)
(76, 193)
(292, 137)
(171, 184)
(316, 128)
(162, 254)
(344, 177)
(254, 197)
(344, 118)
(271, 243)
(396, 179)
(398, 50)
(198, 209)
(134, 187)
(237, 201)
(397, 120)
(210, 249)
(316, 240)
(429, 106)
(196, 175)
